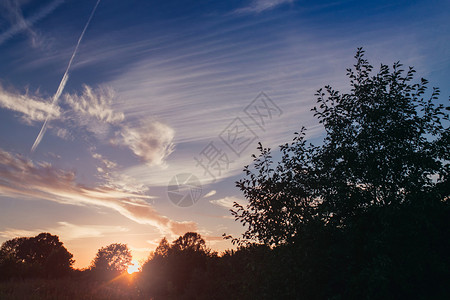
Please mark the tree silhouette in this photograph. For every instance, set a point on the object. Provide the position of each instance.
(42, 255)
(385, 145)
(112, 259)
(163, 248)
(363, 213)
(171, 268)
(190, 241)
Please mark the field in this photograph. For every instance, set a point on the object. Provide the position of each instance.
(73, 289)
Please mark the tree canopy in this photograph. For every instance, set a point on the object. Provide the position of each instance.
(386, 144)
(172, 269)
(114, 258)
(364, 214)
(190, 241)
(42, 255)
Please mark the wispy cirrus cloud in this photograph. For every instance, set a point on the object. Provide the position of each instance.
(12, 12)
(66, 230)
(92, 110)
(151, 141)
(106, 163)
(91, 113)
(227, 202)
(107, 171)
(95, 103)
(209, 194)
(24, 179)
(257, 6)
(31, 108)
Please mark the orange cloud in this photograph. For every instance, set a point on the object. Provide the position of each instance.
(22, 178)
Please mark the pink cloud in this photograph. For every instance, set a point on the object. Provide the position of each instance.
(22, 178)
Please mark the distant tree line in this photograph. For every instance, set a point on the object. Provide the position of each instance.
(40, 256)
(44, 256)
(363, 215)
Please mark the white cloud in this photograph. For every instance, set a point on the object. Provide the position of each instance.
(227, 202)
(151, 141)
(63, 133)
(258, 6)
(95, 103)
(108, 164)
(26, 180)
(31, 108)
(72, 231)
(53, 155)
(211, 193)
(11, 233)
(181, 162)
(116, 179)
(66, 230)
(199, 96)
(92, 110)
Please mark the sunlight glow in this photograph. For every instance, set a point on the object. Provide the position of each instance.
(134, 267)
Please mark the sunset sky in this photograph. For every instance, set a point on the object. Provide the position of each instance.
(158, 89)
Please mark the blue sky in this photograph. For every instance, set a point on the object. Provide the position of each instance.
(155, 85)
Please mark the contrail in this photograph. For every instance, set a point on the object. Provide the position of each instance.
(25, 24)
(63, 82)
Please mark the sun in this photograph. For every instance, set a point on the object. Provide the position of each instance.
(134, 267)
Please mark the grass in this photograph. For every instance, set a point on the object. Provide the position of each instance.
(70, 289)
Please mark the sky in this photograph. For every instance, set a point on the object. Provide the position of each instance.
(151, 114)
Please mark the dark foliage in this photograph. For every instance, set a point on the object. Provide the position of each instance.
(365, 214)
(111, 261)
(172, 270)
(40, 256)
